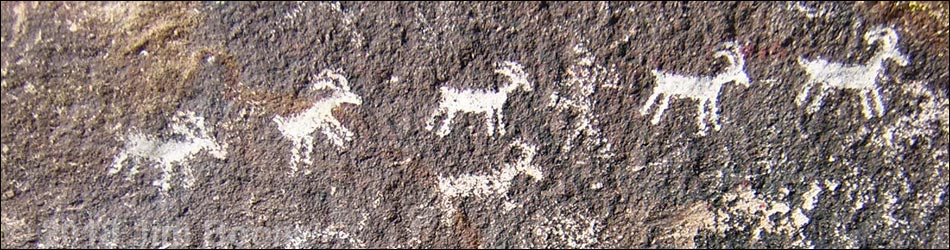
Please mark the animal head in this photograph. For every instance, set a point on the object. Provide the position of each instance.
(348, 97)
(886, 36)
(193, 128)
(337, 82)
(887, 39)
(516, 75)
(189, 124)
(736, 70)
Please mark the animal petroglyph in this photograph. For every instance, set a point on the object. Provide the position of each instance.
(700, 88)
(487, 102)
(298, 128)
(494, 184)
(169, 152)
(861, 78)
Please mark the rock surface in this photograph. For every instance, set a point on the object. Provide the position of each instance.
(318, 125)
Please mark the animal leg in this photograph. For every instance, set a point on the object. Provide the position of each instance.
(865, 104)
(501, 121)
(430, 122)
(569, 143)
(336, 138)
(337, 133)
(163, 183)
(446, 125)
(664, 103)
(714, 116)
(804, 94)
(701, 117)
(817, 101)
(306, 148)
(878, 103)
(117, 163)
(187, 177)
(134, 170)
(649, 103)
(295, 155)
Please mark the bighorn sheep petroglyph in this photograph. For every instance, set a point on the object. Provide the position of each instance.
(491, 185)
(701, 88)
(487, 102)
(169, 152)
(862, 78)
(299, 128)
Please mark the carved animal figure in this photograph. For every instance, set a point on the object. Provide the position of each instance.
(861, 77)
(490, 185)
(298, 128)
(704, 89)
(194, 139)
(487, 102)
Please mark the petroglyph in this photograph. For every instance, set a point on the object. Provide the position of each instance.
(763, 214)
(572, 231)
(583, 78)
(281, 160)
(196, 137)
(299, 128)
(861, 78)
(930, 117)
(700, 88)
(810, 12)
(19, 26)
(810, 198)
(486, 186)
(356, 38)
(303, 238)
(487, 102)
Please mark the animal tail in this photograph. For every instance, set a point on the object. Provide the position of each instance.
(280, 121)
(802, 61)
(117, 163)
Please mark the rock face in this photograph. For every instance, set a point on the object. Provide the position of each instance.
(482, 125)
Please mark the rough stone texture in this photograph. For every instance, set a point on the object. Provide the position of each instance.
(81, 78)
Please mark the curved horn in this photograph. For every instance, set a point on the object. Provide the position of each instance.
(331, 79)
(740, 59)
(732, 54)
(516, 76)
(887, 36)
